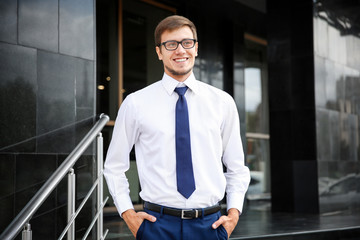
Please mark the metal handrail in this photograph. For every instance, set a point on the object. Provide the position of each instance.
(33, 205)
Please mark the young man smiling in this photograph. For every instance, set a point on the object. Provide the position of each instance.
(184, 131)
(178, 63)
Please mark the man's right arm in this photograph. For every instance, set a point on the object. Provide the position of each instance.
(117, 160)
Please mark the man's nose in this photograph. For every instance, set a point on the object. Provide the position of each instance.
(180, 49)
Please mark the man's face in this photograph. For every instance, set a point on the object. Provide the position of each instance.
(179, 63)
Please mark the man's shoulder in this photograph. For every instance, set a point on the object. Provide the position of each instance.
(211, 90)
(148, 90)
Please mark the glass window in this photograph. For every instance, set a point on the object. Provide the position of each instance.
(257, 119)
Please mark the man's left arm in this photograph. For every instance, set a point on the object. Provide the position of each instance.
(237, 174)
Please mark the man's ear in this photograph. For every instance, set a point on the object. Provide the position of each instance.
(158, 51)
(196, 48)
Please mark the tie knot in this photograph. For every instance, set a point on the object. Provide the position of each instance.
(181, 90)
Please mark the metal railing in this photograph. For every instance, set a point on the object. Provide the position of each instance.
(23, 218)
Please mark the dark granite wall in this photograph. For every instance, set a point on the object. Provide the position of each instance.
(47, 93)
(314, 86)
(292, 107)
(337, 91)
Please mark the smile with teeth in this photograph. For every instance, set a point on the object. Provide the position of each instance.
(180, 59)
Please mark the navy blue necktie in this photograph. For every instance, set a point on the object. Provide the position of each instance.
(184, 168)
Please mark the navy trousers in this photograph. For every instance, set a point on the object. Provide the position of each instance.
(169, 227)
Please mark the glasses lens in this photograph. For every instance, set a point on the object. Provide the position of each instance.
(171, 45)
(188, 43)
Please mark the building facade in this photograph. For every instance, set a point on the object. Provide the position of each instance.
(293, 70)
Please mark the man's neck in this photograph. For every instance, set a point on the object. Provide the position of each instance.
(179, 78)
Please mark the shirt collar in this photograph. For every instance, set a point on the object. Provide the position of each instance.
(170, 83)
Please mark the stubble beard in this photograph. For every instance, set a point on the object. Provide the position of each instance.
(178, 73)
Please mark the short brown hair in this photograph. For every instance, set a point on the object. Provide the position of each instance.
(172, 23)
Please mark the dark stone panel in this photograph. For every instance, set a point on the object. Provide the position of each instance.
(82, 128)
(320, 38)
(281, 140)
(302, 20)
(341, 190)
(352, 46)
(56, 93)
(85, 216)
(44, 226)
(303, 134)
(24, 196)
(353, 137)
(62, 194)
(77, 28)
(61, 216)
(84, 113)
(210, 62)
(280, 86)
(358, 147)
(65, 140)
(352, 89)
(320, 79)
(59, 141)
(323, 135)
(8, 21)
(85, 86)
(282, 189)
(278, 33)
(334, 88)
(17, 95)
(32, 169)
(302, 79)
(84, 168)
(7, 174)
(7, 211)
(345, 137)
(323, 171)
(38, 24)
(334, 135)
(291, 104)
(306, 186)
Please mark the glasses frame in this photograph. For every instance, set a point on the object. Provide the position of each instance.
(178, 42)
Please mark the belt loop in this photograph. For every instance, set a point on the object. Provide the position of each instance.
(202, 213)
(161, 211)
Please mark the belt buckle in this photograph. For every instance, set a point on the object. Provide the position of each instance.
(185, 214)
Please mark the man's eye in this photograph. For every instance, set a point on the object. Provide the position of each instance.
(187, 43)
(171, 44)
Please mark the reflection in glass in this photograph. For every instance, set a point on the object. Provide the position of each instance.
(257, 160)
(257, 122)
(252, 98)
(336, 45)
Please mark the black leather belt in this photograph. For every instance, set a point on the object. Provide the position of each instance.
(182, 213)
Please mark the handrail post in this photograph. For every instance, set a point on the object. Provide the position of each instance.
(71, 203)
(24, 216)
(27, 233)
(100, 162)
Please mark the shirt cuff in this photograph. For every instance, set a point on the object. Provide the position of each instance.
(235, 200)
(122, 203)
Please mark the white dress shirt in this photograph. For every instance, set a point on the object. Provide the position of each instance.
(146, 119)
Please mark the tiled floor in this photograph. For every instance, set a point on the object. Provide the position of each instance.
(258, 222)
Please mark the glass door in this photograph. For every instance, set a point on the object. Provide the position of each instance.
(257, 118)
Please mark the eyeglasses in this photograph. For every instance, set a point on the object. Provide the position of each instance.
(173, 45)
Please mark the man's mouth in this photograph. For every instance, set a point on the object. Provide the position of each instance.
(180, 59)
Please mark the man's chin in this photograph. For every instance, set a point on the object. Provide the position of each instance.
(178, 73)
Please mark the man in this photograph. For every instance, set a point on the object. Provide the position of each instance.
(183, 131)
